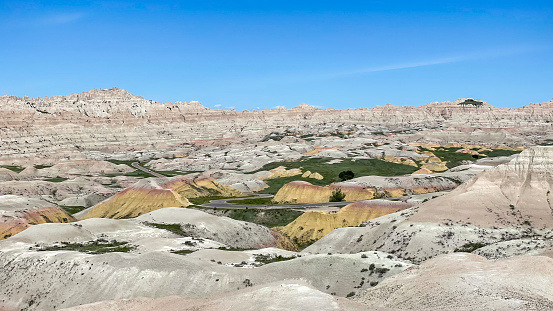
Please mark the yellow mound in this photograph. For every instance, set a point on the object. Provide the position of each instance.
(280, 172)
(152, 194)
(313, 225)
(21, 220)
(304, 192)
(422, 171)
(400, 160)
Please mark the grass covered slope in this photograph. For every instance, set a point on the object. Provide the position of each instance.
(330, 172)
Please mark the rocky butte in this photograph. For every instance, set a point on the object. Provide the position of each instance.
(109, 201)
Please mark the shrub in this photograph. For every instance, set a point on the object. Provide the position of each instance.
(337, 195)
(345, 175)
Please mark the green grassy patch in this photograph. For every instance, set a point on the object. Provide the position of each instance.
(13, 168)
(174, 228)
(267, 259)
(138, 173)
(39, 167)
(500, 153)
(452, 157)
(455, 158)
(73, 209)
(99, 246)
(234, 249)
(303, 245)
(183, 251)
(469, 247)
(56, 179)
(330, 172)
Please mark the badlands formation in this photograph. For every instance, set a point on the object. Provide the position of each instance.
(109, 201)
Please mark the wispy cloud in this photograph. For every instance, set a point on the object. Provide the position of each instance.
(217, 106)
(61, 18)
(486, 54)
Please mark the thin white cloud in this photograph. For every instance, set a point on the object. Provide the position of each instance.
(439, 61)
(217, 106)
(61, 18)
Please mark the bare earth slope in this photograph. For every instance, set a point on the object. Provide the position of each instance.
(468, 282)
(507, 195)
(503, 212)
(278, 296)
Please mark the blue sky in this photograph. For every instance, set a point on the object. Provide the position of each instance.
(263, 54)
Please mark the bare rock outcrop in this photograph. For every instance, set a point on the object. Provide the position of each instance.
(502, 212)
(277, 296)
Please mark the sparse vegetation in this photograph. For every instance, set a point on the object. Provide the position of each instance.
(174, 228)
(267, 259)
(13, 168)
(233, 249)
(99, 246)
(73, 209)
(469, 247)
(183, 251)
(303, 244)
(56, 179)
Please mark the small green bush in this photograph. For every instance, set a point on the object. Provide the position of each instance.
(346, 175)
(337, 196)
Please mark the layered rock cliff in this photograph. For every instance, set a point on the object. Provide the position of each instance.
(112, 120)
